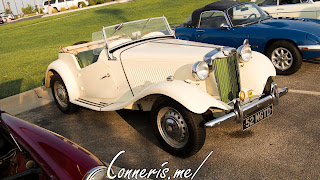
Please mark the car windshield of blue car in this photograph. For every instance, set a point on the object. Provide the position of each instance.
(245, 14)
(124, 33)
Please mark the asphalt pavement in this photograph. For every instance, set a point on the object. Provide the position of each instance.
(284, 146)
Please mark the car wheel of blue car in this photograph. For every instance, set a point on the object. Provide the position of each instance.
(285, 57)
(60, 95)
(178, 130)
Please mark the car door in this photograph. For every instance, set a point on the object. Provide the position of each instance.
(209, 30)
(98, 79)
(62, 4)
(292, 8)
(296, 8)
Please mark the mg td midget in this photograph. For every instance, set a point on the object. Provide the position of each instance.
(187, 86)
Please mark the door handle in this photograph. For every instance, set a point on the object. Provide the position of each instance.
(200, 31)
(280, 9)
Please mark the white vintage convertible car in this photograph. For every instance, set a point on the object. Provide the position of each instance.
(187, 86)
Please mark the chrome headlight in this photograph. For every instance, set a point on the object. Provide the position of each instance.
(200, 70)
(97, 173)
(244, 53)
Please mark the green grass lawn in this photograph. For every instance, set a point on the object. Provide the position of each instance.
(28, 47)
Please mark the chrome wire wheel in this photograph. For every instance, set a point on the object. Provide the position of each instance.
(282, 58)
(61, 94)
(172, 127)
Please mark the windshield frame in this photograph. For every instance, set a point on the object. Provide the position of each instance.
(111, 49)
(262, 12)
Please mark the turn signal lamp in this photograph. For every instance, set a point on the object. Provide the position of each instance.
(242, 95)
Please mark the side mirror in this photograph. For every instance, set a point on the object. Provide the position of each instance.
(224, 26)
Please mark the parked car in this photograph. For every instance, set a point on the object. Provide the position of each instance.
(11, 16)
(186, 85)
(285, 41)
(28, 151)
(291, 8)
(3, 18)
(58, 4)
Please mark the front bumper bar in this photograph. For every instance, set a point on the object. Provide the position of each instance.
(240, 112)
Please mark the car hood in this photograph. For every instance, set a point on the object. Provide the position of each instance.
(53, 152)
(292, 24)
(163, 49)
(152, 61)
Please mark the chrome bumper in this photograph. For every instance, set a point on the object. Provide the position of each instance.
(240, 112)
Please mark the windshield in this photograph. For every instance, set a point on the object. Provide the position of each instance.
(246, 14)
(135, 30)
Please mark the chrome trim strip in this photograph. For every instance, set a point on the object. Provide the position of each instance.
(93, 172)
(224, 14)
(237, 114)
(310, 47)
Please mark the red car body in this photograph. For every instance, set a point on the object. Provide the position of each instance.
(51, 155)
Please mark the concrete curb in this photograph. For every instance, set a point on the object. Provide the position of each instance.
(26, 101)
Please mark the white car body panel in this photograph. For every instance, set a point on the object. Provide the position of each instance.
(67, 67)
(255, 73)
(308, 9)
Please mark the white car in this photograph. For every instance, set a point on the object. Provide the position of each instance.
(291, 8)
(186, 85)
(3, 18)
(58, 4)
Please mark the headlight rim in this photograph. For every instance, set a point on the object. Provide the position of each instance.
(92, 172)
(241, 53)
(195, 70)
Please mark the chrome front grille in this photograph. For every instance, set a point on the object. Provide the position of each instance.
(227, 76)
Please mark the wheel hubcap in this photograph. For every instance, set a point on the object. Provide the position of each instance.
(60, 94)
(282, 58)
(172, 127)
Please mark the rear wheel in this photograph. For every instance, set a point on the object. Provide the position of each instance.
(178, 130)
(285, 57)
(60, 95)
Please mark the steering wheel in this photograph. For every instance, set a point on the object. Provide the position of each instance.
(253, 14)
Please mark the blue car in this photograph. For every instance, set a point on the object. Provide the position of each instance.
(286, 41)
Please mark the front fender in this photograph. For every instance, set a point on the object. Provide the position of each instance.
(66, 74)
(190, 96)
(255, 73)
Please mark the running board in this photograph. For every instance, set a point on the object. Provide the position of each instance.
(90, 104)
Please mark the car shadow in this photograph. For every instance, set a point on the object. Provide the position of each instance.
(140, 121)
(10, 88)
(313, 61)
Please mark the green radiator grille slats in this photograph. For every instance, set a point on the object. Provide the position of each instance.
(234, 74)
(227, 76)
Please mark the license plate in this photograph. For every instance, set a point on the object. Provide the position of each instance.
(257, 117)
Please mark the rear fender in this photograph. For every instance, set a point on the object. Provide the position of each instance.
(68, 74)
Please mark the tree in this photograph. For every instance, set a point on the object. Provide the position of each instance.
(28, 10)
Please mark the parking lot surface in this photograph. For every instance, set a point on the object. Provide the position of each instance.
(284, 146)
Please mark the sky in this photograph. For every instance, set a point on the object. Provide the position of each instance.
(20, 4)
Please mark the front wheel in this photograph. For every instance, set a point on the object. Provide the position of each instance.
(285, 57)
(178, 130)
(60, 95)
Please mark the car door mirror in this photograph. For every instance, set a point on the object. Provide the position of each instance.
(224, 26)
